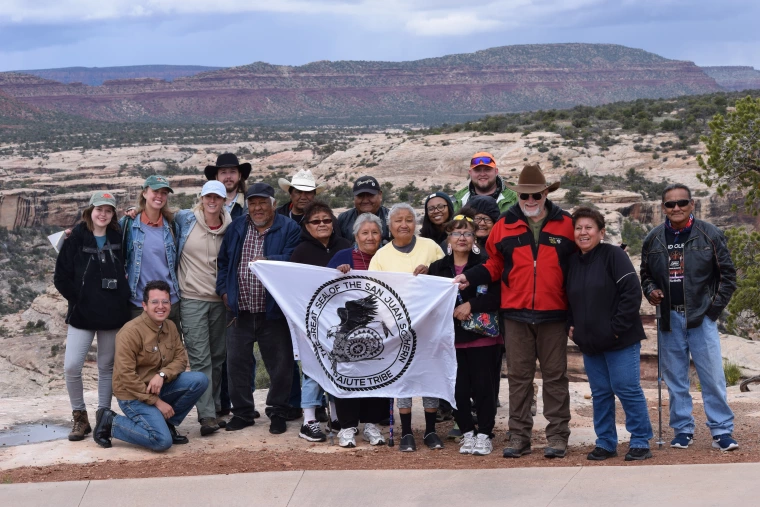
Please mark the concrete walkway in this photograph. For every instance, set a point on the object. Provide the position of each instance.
(676, 485)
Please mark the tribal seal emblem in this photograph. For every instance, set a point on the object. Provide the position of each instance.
(361, 332)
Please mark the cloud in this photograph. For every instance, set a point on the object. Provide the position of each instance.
(451, 24)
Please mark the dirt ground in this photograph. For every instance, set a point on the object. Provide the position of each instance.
(321, 456)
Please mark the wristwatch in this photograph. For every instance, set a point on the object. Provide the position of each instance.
(162, 375)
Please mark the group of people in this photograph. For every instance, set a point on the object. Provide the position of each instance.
(161, 289)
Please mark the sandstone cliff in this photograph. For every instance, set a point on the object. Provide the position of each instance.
(735, 78)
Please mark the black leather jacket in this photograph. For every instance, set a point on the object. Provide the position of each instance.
(709, 274)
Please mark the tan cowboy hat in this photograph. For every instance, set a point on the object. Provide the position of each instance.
(303, 180)
(532, 180)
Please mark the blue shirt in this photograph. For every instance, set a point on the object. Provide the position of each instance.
(154, 265)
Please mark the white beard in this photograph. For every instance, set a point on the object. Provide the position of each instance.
(529, 214)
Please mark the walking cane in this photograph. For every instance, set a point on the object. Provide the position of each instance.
(390, 436)
(330, 433)
(658, 315)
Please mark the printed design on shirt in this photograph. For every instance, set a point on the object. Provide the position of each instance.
(675, 262)
(360, 332)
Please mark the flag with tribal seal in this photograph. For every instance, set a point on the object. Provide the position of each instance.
(368, 333)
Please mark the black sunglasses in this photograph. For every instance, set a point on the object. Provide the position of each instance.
(536, 196)
(326, 221)
(681, 203)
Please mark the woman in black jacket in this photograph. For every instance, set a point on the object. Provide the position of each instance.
(604, 297)
(89, 273)
(476, 353)
(438, 210)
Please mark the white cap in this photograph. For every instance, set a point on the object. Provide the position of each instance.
(214, 187)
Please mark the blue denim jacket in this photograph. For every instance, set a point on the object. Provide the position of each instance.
(135, 237)
(185, 221)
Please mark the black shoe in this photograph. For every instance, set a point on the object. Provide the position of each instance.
(238, 423)
(223, 412)
(256, 414)
(599, 454)
(517, 447)
(384, 422)
(293, 413)
(312, 432)
(102, 433)
(277, 425)
(433, 441)
(407, 443)
(221, 422)
(322, 414)
(177, 439)
(638, 454)
(209, 426)
(335, 425)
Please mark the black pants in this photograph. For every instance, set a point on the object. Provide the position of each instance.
(367, 410)
(276, 350)
(475, 378)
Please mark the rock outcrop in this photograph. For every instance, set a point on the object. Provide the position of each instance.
(735, 79)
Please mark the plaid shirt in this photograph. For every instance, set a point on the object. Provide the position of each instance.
(252, 297)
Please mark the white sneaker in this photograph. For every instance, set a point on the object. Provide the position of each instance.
(346, 437)
(468, 443)
(372, 434)
(483, 445)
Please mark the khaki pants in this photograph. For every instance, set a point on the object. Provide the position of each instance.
(546, 342)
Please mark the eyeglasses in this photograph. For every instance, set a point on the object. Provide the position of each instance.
(681, 203)
(324, 221)
(440, 207)
(481, 161)
(536, 196)
(483, 220)
(458, 235)
(155, 302)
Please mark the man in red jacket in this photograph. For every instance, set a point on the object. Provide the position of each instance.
(528, 250)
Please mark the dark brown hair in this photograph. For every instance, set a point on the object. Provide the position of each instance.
(586, 212)
(462, 222)
(87, 217)
(315, 207)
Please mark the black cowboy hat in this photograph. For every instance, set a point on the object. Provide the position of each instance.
(227, 160)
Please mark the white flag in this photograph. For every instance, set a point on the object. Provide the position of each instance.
(368, 333)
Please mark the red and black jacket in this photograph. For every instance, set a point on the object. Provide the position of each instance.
(532, 276)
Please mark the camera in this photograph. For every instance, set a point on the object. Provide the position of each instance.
(109, 283)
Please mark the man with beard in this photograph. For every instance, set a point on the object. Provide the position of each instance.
(528, 250)
(233, 175)
(485, 180)
(368, 198)
(302, 189)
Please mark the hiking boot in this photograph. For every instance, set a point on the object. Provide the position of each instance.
(221, 422)
(346, 437)
(557, 448)
(517, 447)
(373, 435)
(599, 454)
(177, 439)
(81, 425)
(237, 423)
(102, 433)
(454, 432)
(277, 425)
(468, 443)
(407, 443)
(312, 432)
(638, 454)
(725, 442)
(483, 445)
(682, 440)
(433, 441)
(322, 415)
(209, 426)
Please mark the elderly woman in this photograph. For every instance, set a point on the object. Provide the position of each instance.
(89, 273)
(476, 352)
(438, 211)
(407, 253)
(319, 244)
(603, 319)
(200, 232)
(368, 235)
(150, 242)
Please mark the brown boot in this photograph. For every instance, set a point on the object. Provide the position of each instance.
(81, 425)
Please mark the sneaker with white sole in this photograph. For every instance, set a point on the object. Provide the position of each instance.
(682, 441)
(483, 445)
(346, 437)
(372, 434)
(312, 432)
(725, 442)
(468, 443)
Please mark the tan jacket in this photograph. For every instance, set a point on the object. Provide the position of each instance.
(142, 350)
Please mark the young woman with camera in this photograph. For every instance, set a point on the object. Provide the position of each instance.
(90, 274)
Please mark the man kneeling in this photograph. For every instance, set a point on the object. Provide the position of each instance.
(149, 379)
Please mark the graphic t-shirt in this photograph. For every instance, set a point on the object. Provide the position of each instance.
(675, 265)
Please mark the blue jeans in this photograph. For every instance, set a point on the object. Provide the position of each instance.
(703, 343)
(617, 373)
(144, 425)
(311, 393)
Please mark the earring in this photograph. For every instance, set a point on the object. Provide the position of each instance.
(475, 248)
(449, 251)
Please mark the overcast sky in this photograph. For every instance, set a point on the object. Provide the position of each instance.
(38, 34)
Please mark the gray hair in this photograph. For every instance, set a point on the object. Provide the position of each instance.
(363, 219)
(402, 206)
